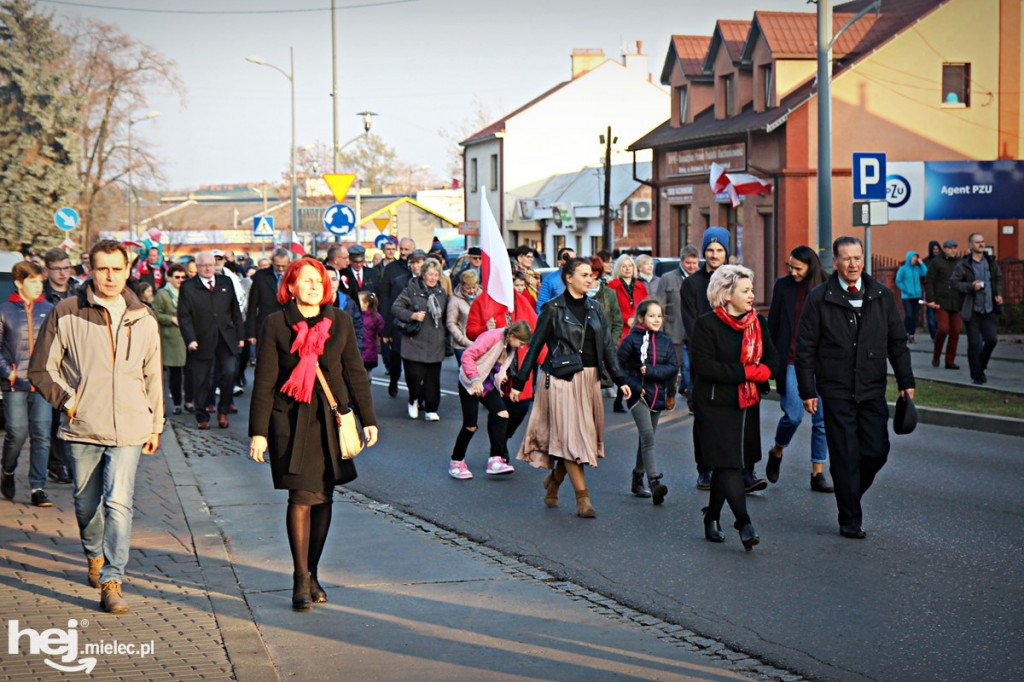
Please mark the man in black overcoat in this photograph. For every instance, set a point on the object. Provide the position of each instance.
(263, 294)
(211, 324)
(848, 327)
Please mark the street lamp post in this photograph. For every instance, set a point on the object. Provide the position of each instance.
(290, 75)
(131, 187)
(367, 117)
(606, 223)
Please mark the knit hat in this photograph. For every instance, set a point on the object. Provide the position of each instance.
(716, 234)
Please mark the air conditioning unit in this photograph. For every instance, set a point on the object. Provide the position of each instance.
(526, 207)
(640, 210)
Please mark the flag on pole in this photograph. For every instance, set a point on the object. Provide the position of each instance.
(298, 249)
(737, 184)
(496, 270)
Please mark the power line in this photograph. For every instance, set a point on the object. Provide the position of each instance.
(88, 5)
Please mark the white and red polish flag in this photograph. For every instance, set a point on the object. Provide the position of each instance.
(496, 270)
(737, 184)
(297, 248)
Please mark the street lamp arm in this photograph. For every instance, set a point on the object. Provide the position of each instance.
(262, 62)
(876, 6)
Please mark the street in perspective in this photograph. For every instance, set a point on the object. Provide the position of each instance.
(437, 340)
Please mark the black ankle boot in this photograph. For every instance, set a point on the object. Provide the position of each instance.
(658, 489)
(301, 599)
(316, 593)
(748, 536)
(712, 528)
(637, 487)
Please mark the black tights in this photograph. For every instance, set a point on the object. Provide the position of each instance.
(727, 486)
(307, 533)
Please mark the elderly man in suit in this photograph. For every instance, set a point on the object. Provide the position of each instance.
(263, 293)
(359, 277)
(211, 324)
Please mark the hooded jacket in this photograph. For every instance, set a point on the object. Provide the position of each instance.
(18, 333)
(107, 382)
(909, 276)
(655, 384)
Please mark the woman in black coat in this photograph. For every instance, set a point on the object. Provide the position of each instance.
(732, 360)
(290, 417)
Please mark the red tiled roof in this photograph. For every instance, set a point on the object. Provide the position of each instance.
(689, 52)
(499, 125)
(732, 35)
(795, 34)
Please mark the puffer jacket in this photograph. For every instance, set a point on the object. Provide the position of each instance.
(909, 277)
(456, 317)
(106, 382)
(18, 334)
(653, 386)
(427, 345)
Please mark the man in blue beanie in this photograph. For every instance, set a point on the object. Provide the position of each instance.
(694, 295)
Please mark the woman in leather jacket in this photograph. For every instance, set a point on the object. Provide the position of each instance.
(566, 428)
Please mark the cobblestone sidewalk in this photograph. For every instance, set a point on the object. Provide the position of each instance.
(43, 586)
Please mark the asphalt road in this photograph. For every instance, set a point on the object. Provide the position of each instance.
(934, 593)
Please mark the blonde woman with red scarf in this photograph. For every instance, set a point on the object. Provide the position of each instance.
(290, 420)
(732, 359)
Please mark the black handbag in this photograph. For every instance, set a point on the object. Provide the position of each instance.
(564, 366)
(410, 328)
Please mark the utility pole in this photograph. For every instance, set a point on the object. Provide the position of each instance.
(606, 224)
(824, 128)
(335, 152)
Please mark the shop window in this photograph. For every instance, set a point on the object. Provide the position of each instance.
(956, 85)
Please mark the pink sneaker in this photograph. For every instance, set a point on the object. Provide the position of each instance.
(459, 470)
(497, 466)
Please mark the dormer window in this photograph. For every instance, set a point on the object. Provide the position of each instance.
(683, 95)
(728, 96)
(766, 85)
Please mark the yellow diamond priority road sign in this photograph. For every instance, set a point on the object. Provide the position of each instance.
(339, 184)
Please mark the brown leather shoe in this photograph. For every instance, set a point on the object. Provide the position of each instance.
(222, 420)
(111, 599)
(202, 426)
(94, 571)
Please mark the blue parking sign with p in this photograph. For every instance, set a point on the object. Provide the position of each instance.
(869, 176)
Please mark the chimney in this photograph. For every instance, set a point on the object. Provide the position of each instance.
(636, 60)
(586, 59)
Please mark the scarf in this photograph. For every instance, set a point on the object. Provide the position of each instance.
(309, 344)
(434, 304)
(751, 348)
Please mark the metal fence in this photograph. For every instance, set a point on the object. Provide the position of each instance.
(884, 270)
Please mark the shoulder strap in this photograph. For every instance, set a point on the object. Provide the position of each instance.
(327, 389)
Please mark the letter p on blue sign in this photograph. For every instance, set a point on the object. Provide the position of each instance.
(869, 176)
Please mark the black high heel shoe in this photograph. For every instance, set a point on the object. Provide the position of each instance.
(301, 599)
(748, 536)
(712, 528)
(316, 593)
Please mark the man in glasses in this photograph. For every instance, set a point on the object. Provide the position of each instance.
(59, 284)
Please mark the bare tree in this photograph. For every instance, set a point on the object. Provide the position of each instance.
(114, 75)
(456, 132)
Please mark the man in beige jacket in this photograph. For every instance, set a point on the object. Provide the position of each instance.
(97, 360)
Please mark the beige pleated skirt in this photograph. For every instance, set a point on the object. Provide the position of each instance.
(567, 421)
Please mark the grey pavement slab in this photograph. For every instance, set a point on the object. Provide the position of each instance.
(1005, 369)
(409, 600)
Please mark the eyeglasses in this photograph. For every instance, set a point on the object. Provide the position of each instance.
(177, 276)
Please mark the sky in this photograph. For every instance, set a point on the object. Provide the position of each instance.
(420, 64)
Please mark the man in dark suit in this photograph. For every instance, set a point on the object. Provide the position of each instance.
(338, 258)
(211, 324)
(263, 294)
(848, 327)
(360, 277)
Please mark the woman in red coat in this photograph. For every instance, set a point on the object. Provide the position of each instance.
(629, 291)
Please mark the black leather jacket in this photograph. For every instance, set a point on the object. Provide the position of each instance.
(561, 332)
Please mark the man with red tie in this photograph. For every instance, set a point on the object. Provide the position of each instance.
(848, 327)
(212, 326)
(360, 277)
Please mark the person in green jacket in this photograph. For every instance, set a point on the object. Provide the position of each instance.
(172, 344)
(610, 305)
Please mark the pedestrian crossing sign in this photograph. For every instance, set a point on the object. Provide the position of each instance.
(263, 227)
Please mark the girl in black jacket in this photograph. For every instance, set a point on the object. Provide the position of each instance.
(648, 358)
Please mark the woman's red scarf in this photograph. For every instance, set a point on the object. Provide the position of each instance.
(309, 344)
(751, 348)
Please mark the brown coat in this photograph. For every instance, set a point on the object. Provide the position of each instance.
(288, 423)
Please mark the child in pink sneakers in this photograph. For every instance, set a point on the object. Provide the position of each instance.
(484, 368)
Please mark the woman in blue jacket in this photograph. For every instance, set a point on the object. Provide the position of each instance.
(909, 278)
(649, 361)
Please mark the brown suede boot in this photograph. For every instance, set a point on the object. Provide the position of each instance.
(94, 571)
(551, 483)
(111, 599)
(583, 506)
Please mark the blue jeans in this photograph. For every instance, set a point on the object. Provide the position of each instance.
(28, 415)
(793, 414)
(104, 493)
(932, 320)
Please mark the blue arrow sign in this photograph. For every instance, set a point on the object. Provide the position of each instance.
(339, 220)
(381, 240)
(263, 226)
(66, 218)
